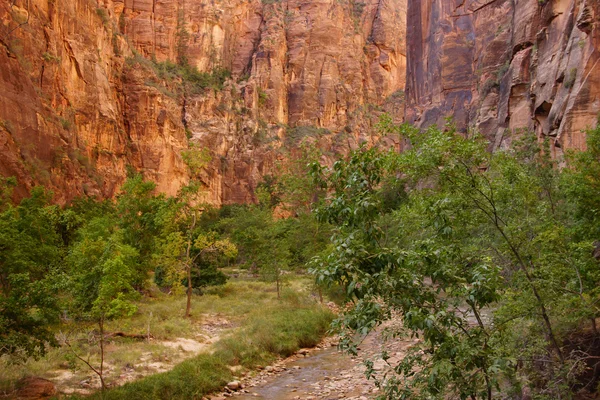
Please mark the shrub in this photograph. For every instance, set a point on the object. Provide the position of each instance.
(8, 126)
(186, 76)
(101, 12)
(49, 57)
(570, 78)
(297, 134)
(487, 87)
(65, 123)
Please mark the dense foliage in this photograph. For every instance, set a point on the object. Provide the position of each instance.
(31, 250)
(486, 257)
(490, 259)
(91, 260)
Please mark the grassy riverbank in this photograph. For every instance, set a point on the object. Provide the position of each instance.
(238, 327)
(276, 331)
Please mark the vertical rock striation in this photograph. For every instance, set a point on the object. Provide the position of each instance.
(73, 116)
(499, 66)
(89, 89)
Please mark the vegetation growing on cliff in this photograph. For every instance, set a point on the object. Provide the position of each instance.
(175, 79)
(487, 258)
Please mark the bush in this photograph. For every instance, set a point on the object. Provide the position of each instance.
(487, 87)
(570, 78)
(188, 77)
(103, 16)
(297, 134)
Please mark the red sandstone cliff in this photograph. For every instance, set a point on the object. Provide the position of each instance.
(81, 102)
(501, 65)
(79, 106)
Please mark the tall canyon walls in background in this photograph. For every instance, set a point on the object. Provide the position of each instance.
(84, 99)
(502, 65)
(81, 102)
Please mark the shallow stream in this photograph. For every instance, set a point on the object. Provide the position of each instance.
(324, 374)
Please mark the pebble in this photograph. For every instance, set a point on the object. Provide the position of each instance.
(345, 379)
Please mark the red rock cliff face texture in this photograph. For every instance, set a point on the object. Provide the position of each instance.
(73, 116)
(80, 105)
(501, 65)
(294, 63)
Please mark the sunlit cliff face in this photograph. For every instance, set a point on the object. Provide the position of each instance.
(84, 98)
(82, 110)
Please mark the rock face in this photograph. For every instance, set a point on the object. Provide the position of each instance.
(316, 60)
(89, 90)
(82, 104)
(502, 65)
(73, 116)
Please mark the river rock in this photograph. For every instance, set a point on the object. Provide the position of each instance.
(236, 369)
(234, 385)
(35, 388)
(303, 352)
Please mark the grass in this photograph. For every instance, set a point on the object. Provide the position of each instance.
(261, 329)
(189, 380)
(273, 332)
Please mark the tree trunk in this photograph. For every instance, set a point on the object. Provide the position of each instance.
(484, 368)
(101, 374)
(594, 327)
(538, 297)
(188, 306)
(188, 267)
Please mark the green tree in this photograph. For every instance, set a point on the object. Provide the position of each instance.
(582, 186)
(181, 257)
(296, 190)
(472, 250)
(183, 246)
(30, 259)
(103, 272)
(139, 212)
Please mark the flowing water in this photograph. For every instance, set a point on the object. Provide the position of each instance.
(325, 374)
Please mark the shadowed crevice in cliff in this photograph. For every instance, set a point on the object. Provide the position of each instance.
(510, 58)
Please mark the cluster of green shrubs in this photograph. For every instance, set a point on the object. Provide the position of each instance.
(491, 259)
(182, 78)
(92, 258)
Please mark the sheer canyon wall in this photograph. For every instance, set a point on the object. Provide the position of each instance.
(84, 96)
(499, 66)
(90, 90)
